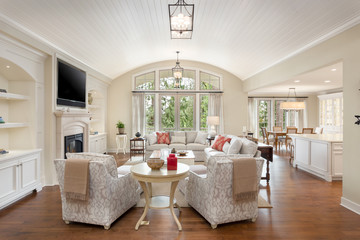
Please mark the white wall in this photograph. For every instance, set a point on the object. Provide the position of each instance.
(343, 47)
(120, 108)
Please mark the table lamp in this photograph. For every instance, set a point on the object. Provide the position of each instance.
(213, 121)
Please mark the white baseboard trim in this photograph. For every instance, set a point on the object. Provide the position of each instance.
(350, 205)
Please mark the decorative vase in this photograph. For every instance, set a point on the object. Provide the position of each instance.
(121, 130)
(172, 162)
(2, 120)
(137, 134)
(173, 150)
(90, 98)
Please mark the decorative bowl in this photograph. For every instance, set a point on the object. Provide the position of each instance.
(155, 163)
(182, 153)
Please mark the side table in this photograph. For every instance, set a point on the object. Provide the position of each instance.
(267, 153)
(137, 146)
(121, 140)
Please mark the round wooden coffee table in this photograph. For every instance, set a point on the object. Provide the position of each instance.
(146, 176)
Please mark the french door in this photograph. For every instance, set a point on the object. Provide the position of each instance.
(177, 112)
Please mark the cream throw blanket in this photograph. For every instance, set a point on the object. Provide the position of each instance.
(76, 179)
(244, 179)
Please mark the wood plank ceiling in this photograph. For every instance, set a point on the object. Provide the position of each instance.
(240, 36)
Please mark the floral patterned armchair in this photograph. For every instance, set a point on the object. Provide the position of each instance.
(110, 194)
(211, 194)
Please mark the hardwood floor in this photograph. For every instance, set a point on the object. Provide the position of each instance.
(304, 207)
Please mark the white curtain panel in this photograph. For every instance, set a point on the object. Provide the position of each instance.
(302, 116)
(215, 108)
(138, 113)
(252, 116)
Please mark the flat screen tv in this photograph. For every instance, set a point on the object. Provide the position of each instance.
(71, 85)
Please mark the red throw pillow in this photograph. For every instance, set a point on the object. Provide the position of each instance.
(163, 138)
(219, 143)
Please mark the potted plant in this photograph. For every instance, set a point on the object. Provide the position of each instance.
(121, 126)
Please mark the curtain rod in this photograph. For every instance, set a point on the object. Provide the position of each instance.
(175, 91)
(279, 97)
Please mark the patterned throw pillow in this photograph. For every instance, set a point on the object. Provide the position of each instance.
(219, 143)
(163, 138)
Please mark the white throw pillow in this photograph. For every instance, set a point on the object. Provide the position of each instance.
(201, 137)
(151, 138)
(226, 147)
(234, 147)
(191, 136)
(248, 147)
(176, 139)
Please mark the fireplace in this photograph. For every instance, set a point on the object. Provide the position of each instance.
(73, 143)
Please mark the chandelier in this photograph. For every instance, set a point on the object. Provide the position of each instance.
(181, 17)
(177, 71)
(296, 106)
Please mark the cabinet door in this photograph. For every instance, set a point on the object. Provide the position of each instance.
(92, 145)
(337, 159)
(8, 180)
(29, 171)
(102, 143)
(319, 156)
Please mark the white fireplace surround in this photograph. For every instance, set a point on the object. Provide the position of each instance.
(70, 123)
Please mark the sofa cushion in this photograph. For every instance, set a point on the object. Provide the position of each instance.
(178, 139)
(201, 138)
(248, 147)
(177, 146)
(235, 146)
(219, 143)
(156, 147)
(190, 136)
(226, 147)
(209, 152)
(151, 138)
(196, 146)
(163, 138)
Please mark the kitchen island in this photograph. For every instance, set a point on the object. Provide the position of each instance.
(319, 154)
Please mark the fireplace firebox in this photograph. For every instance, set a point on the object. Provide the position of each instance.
(73, 143)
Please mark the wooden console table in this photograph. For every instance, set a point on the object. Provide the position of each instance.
(267, 153)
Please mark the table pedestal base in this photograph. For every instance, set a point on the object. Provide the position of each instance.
(158, 202)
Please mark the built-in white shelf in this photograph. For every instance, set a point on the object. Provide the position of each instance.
(93, 106)
(13, 125)
(13, 96)
(94, 120)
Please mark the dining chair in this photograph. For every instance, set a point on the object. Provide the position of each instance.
(266, 138)
(288, 141)
(307, 130)
(277, 128)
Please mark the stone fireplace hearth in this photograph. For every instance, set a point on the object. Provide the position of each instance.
(71, 123)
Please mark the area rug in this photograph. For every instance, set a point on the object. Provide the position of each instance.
(164, 189)
(134, 160)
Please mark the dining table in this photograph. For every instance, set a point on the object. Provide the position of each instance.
(276, 135)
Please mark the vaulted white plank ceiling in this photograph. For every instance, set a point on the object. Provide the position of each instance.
(240, 36)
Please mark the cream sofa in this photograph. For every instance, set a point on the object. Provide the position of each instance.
(209, 191)
(238, 146)
(182, 140)
(112, 191)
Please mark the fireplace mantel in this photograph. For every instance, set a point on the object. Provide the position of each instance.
(69, 123)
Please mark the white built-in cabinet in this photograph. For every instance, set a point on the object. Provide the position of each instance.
(97, 105)
(19, 175)
(331, 112)
(22, 109)
(319, 154)
(98, 143)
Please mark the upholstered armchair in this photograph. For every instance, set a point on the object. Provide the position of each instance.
(210, 192)
(110, 193)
